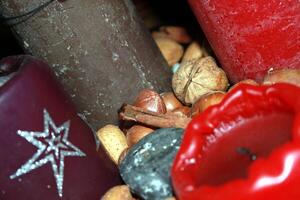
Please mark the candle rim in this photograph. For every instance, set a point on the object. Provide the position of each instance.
(280, 94)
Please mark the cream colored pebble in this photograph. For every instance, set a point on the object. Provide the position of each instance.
(113, 141)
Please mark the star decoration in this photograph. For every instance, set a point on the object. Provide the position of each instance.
(53, 146)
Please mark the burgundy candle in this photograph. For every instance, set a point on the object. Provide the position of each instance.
(46, 150)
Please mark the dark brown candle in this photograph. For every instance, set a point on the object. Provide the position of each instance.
(100, 50)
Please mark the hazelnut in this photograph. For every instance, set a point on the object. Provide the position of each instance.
(291, 76)
(136, 133)
(119, 192)
(182, 111)
(113, 141)
(123, 155)
(170, 49)
(177, 33)
(246, 81)
(205, 101)
(159, 34)
(170, 101)
(170, 198)
(150, 100)
(193, 51)
(198, 77)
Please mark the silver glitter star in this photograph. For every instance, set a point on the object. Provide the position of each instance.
(53, 146)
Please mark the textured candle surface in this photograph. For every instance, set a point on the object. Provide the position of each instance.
(251, 37)
(100, 50)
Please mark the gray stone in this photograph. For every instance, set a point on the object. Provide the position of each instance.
(146, 167)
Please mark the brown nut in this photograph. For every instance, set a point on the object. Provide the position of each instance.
(193, 51)
(170, 101)
(198, 77)
(136, 133)
(246, 81)
(113, 141)
(150, 100)
(170, 49)
(119, 192)
(291, 76)
(123, 155)
(177, 33)
(205, 101)
(183, 111)
(159, 34)
(170, 198)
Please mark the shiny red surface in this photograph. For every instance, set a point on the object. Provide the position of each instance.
(34, 88)
(250, 37)
(276, 176)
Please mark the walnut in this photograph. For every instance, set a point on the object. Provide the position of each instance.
(198, 77)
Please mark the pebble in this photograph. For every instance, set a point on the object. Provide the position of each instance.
(146, 167)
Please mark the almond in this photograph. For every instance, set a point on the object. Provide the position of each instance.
(113, 141)
(119, 192)
(171, 50)
(177, 33)
(193, 51)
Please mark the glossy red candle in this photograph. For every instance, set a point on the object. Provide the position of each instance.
(251, 37)
(246, 147)
(46, 150)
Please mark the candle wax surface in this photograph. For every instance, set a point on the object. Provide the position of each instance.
(222, 161)
(251, 37)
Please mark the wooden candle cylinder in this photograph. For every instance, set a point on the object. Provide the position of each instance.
(100, 50)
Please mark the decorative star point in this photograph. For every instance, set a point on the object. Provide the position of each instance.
(53, 146)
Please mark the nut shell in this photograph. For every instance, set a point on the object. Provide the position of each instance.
(150, 100)
(193, 51)
(170, 49)
(136, 133)
(119, 192)
(170, 101)
(198, 77)
(291, 76)
(113, 141)
(177, 33)
(123, 155)
(183, 111)
(206, 101)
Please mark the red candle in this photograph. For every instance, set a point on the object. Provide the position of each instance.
(251, 37)
(246, 147)
(228, 154)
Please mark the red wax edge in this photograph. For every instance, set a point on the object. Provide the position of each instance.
(250, 37)
(277, 176)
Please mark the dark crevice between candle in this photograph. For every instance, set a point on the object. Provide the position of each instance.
(254, 138)
(8, 67)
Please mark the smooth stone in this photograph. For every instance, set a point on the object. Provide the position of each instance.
(146, 167)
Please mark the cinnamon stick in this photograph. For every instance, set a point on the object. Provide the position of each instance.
(132, 113)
